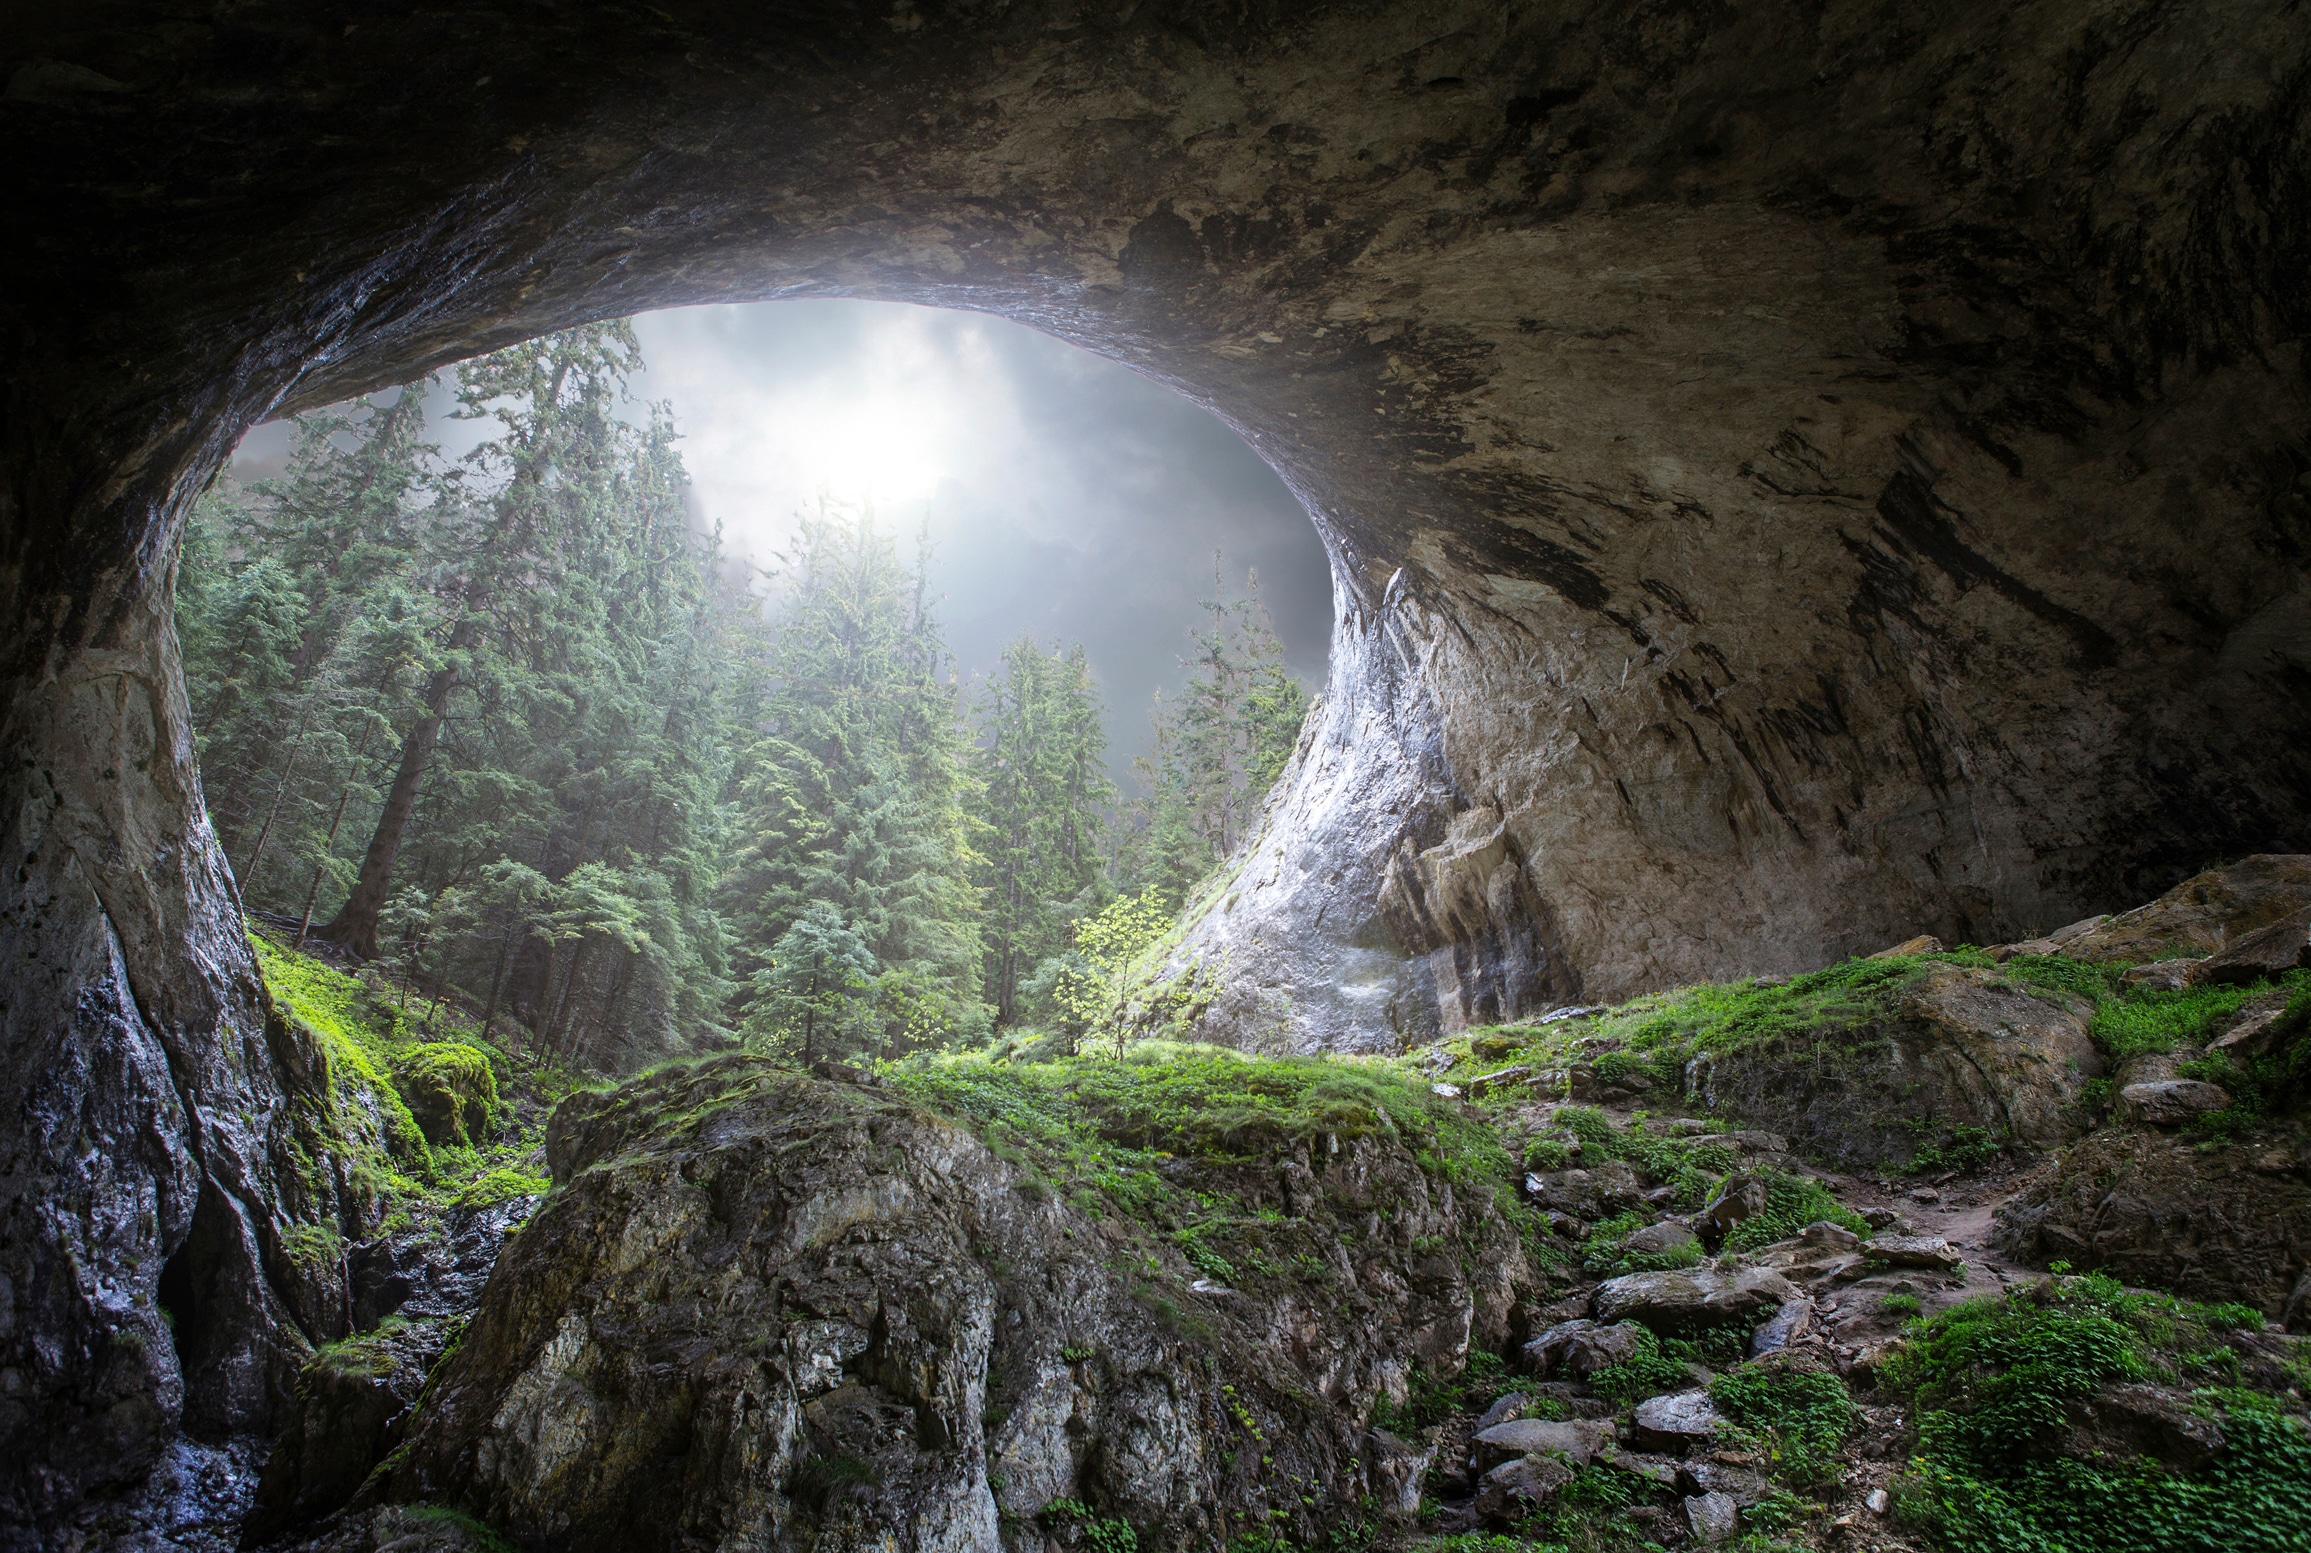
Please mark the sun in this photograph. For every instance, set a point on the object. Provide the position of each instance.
(890, 448)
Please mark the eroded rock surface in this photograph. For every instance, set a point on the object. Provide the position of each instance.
(2149, 1208)
(1794, 478)
(1962, 1047)
(762, 1307)
(2202, 916)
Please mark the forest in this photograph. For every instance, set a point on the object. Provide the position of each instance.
(514, 731)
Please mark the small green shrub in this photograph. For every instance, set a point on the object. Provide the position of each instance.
(1900, 1305)
(1093, 1532)
(1546, 1154)
(1993, 1381)
(1791, 1203)
(1963, 1147)
(1804, 1414)
(498, 1185)
(1645, 1373)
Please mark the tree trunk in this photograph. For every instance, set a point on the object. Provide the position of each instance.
(355, 925)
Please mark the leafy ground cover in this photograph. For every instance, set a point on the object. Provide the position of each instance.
(1994, 1382)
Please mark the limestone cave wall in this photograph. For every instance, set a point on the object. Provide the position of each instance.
(1795, 475)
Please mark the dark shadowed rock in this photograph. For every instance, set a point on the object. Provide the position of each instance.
(2140, 1420)
(1675, 1422)
(1578, 1349)
(1751, 615)
(1712, 1517)
(1656, 1239)
(2263, 955)
(1588, 1194)
(352, 1402)
(769, 1308)
(1514, 1489)
(2150, 1209)
(1396, 1467)
(1742, 1197)
(2172, 1102)
(2295, 1315)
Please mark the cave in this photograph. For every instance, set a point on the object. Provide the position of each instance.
(1794, 477)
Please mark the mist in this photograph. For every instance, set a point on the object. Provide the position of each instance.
(1065, 496)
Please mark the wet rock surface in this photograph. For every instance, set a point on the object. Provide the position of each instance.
(1917, 547)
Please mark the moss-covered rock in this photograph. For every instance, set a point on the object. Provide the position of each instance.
(450, 1091)
(353, 1399)
(765, 1308)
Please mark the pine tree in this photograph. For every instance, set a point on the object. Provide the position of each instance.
(852, 796)
(1043, 787)
(1217, 751)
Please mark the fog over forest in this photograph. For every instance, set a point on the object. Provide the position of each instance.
(1068, 497)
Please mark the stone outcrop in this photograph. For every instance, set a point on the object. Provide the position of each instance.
(1794, 478)
(763, 1307)
(2202, 916)
(2152, 1209)
(1962, 1047)
(1676, 1303)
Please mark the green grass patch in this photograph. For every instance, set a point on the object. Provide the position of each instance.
(1994, 1381)
(501, 1184)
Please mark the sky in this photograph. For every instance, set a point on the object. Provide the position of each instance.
(1068, 497)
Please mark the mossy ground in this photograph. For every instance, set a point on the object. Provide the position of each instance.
(1994, 1382)
(1156, 1137)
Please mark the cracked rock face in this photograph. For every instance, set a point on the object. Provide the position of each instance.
(1795, 477)
(760, 1309)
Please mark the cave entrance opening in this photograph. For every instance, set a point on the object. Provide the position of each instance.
(422, 760)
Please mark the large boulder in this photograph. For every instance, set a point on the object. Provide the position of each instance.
(1674, 1422)
(449, 1088)
(1578, 1349)
(1958, 1045)
(2151, 1209)
(2172, 1102)
(1670, 1303)
(2204, 915)
(765, 1309)
(1578, 1440)
(1514, 1489)
(1587, 1194)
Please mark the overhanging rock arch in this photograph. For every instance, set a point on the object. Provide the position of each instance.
(1795, 476)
